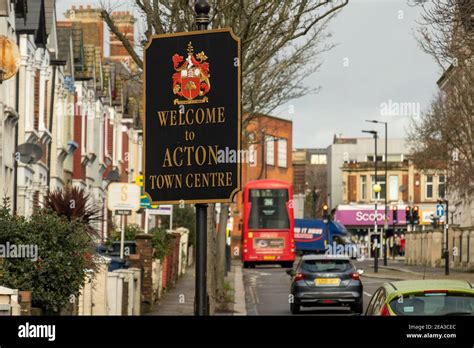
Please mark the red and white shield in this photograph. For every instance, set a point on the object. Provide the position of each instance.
(190, 86)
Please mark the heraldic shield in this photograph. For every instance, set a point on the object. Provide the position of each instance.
(191, 79)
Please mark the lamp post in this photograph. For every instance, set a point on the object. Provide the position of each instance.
(386, 189)
(376, 188)
(446, 235)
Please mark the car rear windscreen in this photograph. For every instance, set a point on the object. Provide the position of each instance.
(435, 303)
(325, 265)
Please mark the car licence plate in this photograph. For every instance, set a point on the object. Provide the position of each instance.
(268, 257)
(327, 281)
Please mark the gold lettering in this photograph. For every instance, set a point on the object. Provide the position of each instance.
(174, 156)
(211, 115)
(152, 180)
(173, 118)
(200, 159)
(228, 176)
(220, 115)
(221, 179)
(189, 121)
(187, 182)
(167, 160)
(199, 116)
(213, 154)
(162, 115)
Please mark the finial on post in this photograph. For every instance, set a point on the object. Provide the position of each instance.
(202, 9)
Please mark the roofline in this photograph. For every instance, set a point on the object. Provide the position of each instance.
(258, 115)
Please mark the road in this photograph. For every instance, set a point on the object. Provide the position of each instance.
(267, 293)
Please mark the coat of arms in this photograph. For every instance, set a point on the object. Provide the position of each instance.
(191, 79)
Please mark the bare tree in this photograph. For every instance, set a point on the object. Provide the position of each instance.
(281, 41)
(443, 137)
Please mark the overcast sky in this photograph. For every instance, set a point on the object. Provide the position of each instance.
(385, 65)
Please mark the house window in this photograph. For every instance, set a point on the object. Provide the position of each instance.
(270, 150)
(282, 146)
(370, 158)
(381, 182)
(393, 187)
(429, 186)
(442, 186)
(318, 159)
(363, 187)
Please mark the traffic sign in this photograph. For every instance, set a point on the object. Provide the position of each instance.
(123, 212)
(123, 196)
(192, 125)
(440, 210)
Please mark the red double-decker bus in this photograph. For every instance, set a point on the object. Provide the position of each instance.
(268, 223)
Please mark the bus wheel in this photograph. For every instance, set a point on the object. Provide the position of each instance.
(246, 265)
(287, 264)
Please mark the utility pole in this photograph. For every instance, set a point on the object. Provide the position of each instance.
(201, 301)
(386, 192)
(376, 188)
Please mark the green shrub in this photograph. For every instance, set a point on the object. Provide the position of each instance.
(65, 252)
(161, 241)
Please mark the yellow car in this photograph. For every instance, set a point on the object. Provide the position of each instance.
(423, 297)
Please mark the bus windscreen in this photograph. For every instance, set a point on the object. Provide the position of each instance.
(268, 209)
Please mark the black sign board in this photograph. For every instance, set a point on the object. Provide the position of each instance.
(192, 120)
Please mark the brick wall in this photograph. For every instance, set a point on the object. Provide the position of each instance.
(145, 251)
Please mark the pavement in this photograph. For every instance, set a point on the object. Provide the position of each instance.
(180, 299)
(398, 270)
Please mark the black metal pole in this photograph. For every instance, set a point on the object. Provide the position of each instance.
(385, 227)
(376, 249)
(201, 302)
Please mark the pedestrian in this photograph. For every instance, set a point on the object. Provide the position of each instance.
(402, 245)
(397, 245)
(391, 246)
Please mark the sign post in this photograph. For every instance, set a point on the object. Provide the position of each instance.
(192, 126)
(123, 198)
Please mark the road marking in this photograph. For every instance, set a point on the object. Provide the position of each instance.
(367, 294)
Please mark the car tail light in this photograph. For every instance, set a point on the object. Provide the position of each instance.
(299, 276)
(355, 275)
(385, 312)
(436, 291)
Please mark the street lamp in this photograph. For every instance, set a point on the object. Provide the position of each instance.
(376, 188)
(386, 188)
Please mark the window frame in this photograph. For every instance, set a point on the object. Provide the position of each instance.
(429, 184)
(269, 155)
(280, 157)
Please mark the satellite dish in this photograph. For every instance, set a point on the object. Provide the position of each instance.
(9, 58)
(29, 153)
